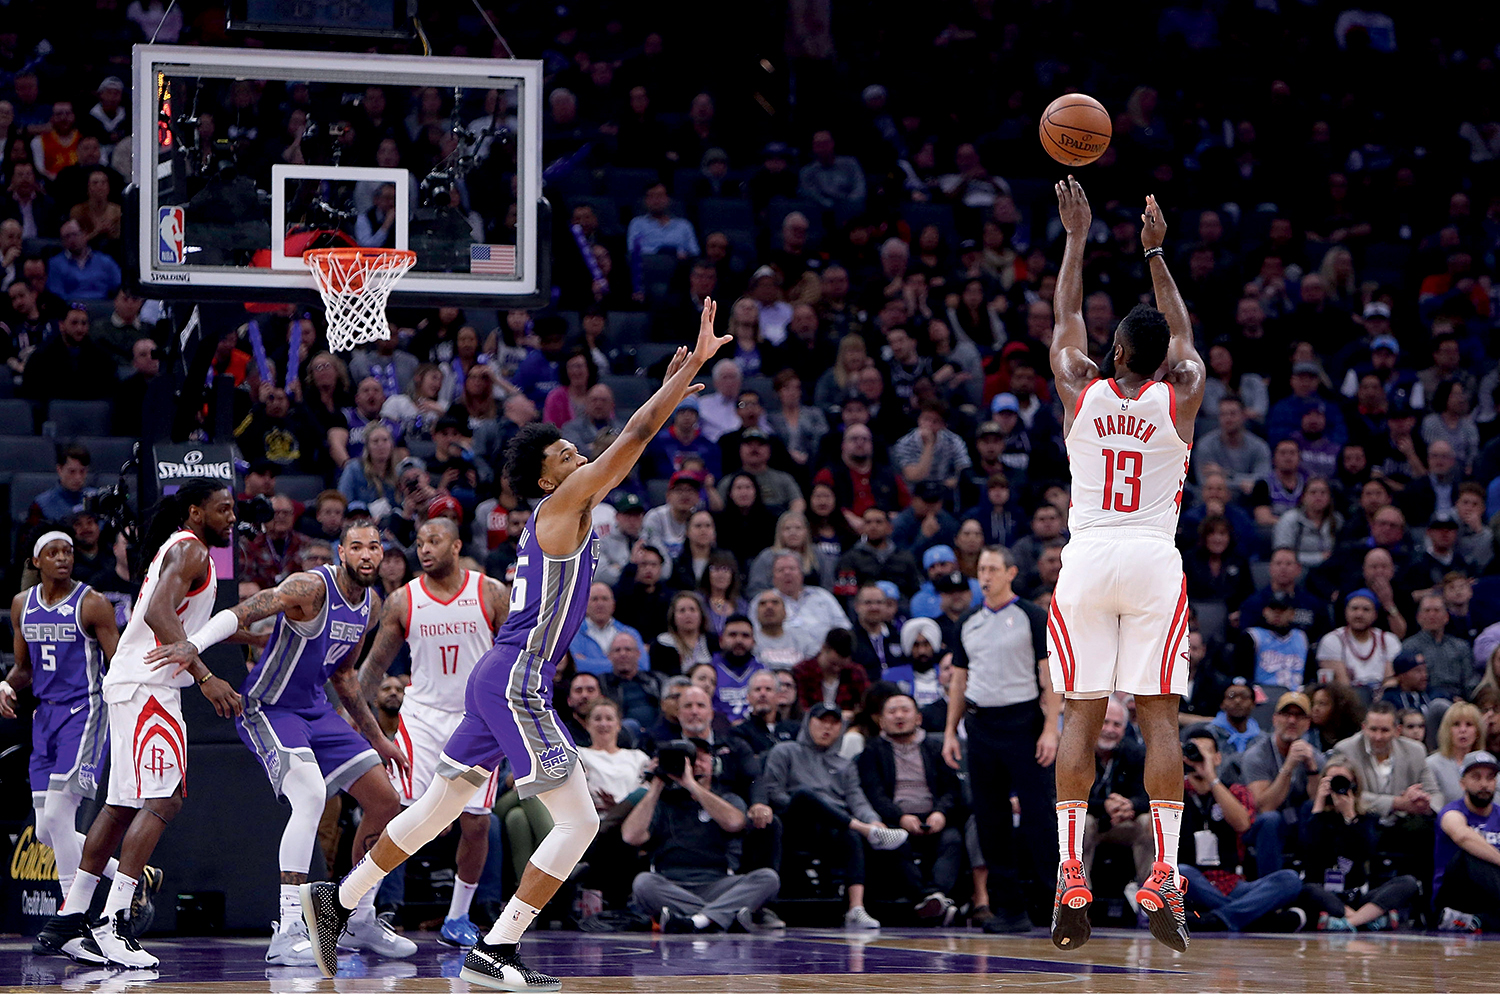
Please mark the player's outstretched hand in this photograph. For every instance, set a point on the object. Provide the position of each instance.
(1073, 206)
(393, 756)
(1153, 226)
(7, 702)
(708, 342)
(225, 699)
(181, 654)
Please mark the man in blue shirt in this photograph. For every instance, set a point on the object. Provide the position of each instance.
(1233, 723)
(59, 503)
(79, 272)
(658, 231)
(1466, 864)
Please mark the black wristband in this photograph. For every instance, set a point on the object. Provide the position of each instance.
(1154, 252)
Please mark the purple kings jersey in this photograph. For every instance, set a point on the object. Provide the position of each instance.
(547, 598)
(301, 656)
(67, 665)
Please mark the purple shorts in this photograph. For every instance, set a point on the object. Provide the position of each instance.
(508, 716)
(317, 735)
(68, 746)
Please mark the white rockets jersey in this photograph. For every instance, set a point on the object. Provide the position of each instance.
(1127, 461)
(446, 641)
(129, 664)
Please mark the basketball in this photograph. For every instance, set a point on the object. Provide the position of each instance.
(1075, 130)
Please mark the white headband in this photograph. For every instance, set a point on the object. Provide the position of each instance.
(48, 539)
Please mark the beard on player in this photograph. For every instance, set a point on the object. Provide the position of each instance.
(365, 571)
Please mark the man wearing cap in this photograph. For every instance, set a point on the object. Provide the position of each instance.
(990, 443)
(1357, 653)
(1320, 454)
(1466, 863)
(925, 522)
(1410, 690)
(1309, 613)
(1385, 355)
(1286, 416)
(1276, 655)
(665, 527)
(939, 562)
(778, 490)
(1281, 772)
(110, 116)
(1451, 670)
(615, 547)
(775, 312)
(750, 410)
(682, 436)
(931, 452)
(695, 831)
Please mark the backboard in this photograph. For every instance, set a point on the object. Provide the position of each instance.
(260, 154)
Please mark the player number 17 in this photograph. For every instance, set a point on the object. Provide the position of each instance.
(1128, 462)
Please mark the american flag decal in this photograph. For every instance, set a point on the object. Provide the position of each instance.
(492, 258)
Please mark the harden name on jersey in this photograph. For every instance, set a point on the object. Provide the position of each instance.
(1124, 424)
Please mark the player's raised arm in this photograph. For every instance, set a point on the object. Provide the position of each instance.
(1071, 366)
(1184, 367)
(584, 489)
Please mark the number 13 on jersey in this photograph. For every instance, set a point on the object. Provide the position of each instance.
(1129, 463)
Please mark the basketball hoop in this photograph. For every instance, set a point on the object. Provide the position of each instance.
(355, 283)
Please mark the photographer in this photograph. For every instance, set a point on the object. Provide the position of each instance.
(1214, 817)
(1339, 844)
(695, 836)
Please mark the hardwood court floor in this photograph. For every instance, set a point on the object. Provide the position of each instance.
(824, 961)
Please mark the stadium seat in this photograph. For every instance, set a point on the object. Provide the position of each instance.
(108, 454)
(656, 492)
(767, 390)
(629, 328)
(300, 488)
(648, 355)
(919, 217)
(25, 454)
(16, 415)
(780, 208)
(72, 418)
(631, 391)
(725, 213)
(626, 186)
(657, 271)
(24, 487)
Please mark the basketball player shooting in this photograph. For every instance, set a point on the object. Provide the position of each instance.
(508, 705)
(1119, 617)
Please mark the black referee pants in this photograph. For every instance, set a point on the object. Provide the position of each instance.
(1002, 762)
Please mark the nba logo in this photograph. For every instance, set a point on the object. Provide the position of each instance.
(169, 235)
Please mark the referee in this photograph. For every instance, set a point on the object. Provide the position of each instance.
(1004, 694)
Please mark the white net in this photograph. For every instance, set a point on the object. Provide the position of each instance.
(355, 283)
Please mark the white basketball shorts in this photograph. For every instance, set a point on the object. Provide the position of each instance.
(423, 731)
(1119, 618)
(147, 743)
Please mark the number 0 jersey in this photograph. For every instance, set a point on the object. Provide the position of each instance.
(446, 639)
(1127, 461)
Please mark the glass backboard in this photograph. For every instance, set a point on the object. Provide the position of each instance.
(259, 155)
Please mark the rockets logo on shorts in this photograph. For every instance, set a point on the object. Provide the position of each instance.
(157, 745)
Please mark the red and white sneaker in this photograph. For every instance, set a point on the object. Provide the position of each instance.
(1162, 899)
(1070, 909)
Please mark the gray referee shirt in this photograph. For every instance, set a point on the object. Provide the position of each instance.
(1002, 651)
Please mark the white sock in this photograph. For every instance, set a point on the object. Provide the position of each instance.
(66, 882)
(463, 895)
(121, 892)
(1071, 815)
(513, 922)
(365, 876)
(1166, 819)
(291, 905)
(364, 913)
(80, 894)
(700, 921)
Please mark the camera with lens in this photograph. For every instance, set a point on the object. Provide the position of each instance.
(1340, 785)
(110, 505)
(254, 513)
(1192, 756)
(674, 758)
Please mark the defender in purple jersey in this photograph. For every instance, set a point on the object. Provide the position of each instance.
(308, 751)
(508, 704)
(63, 633)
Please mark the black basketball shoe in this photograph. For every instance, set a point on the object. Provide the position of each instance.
(497, 967)
(326, 919)
(59, 931)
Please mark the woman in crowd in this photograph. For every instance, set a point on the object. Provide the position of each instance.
(835, 383)
(748, 347)
(690, 566)
(831, 534)
(720, 588)
(395, 571)
(792, 534)
(686, 642)
(325, 393)
(616, 780)
(1226, 378)
(509, 344)
(975, 318)
(1451, 421)
(99, 217)
(1311, 527)
(465, 357)
(371, 479)
(746, 524)
(1216, 571)
(1462, 731)
(580, 374)
(967, 544)
(1339, 838)
(477, 408)
(799, 427)
(419, 407)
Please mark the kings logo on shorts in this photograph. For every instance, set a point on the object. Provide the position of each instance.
(553, 761)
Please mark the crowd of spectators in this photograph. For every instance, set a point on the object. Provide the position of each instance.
(787, 579)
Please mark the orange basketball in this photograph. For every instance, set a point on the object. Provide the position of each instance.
(1075, 130)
